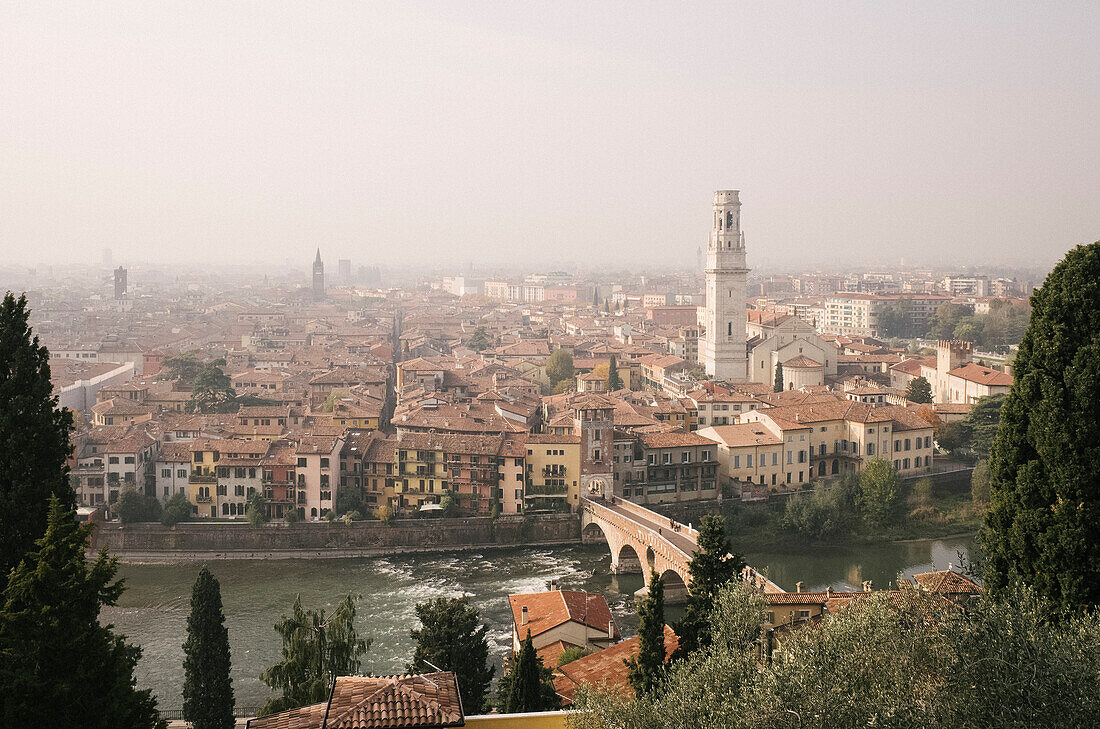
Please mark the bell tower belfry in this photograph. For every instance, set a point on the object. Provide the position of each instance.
(723, 351)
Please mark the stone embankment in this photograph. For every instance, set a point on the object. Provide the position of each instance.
(136, 543)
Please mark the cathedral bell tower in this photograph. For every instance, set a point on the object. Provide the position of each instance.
(723, 349)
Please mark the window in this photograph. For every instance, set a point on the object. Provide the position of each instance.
(166, 473)
(907, 441)
(737, 461)
(112, 459)
(748, 461)
(596, 454)
(302, 464)
(181, 473)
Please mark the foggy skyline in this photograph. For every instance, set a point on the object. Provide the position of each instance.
(555, 134)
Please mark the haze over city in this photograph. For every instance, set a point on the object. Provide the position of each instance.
(588, 133)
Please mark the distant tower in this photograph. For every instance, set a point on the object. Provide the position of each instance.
(318, 278)
(120, 283)
(723, 349)
(343, 269)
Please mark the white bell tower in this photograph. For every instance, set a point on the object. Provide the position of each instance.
(723, 352)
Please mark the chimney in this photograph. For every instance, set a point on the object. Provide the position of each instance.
(523, 615)
(798, 587)
(866, 585)
(610, 628)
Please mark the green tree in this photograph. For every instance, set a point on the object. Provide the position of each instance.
(480, 340)
(384, 513)
(825, 513)
(559, 367)
(350, 498)
(563, 387)
(34, 436)
(982, 423)
(256, 509)
(979, 483)
(646, 671)
(451, 637)
(528, 685)
(183, 367)
(571, 654)
(134, 507)
(777, 386)
(207, 687)
(211, 389)
(894, 321)
(176, 509)
(712, 566)
(968, 329)
(918, 390)
(59, 666)
(449, 504)
(880, 493)
(1043, 524)
(903, 660)
(945, 320)
(614, 381)
(315, 652)
(954, 437)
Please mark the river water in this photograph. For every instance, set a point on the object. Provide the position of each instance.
(153, 610)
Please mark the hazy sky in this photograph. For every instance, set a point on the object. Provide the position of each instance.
(550, 132)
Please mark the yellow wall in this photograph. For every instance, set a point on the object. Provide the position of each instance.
(537, 459)
(539, 720)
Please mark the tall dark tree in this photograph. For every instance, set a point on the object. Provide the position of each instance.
(58, 665)
(451, 637)
(528, 685)
(1043, 525)
(614, 381)
(778, 384)
(918, 390)
(315, 651)
(713, 565)
(646, 670)
(211, 389)
(34, 437)
(207, 687)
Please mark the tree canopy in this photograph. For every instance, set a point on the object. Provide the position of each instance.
(1043, 525)
(880, 493)
(59, 666)
(918, 390)
(207, 687)
(777, 385)
(315, 651)
(646, 670)
(134, 507)
(712, 566)
(34, 436)
(559, 367)
(452, 637)
(528, 685)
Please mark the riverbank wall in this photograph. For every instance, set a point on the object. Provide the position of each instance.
(191, 541)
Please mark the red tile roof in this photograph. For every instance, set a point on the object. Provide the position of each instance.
(548, 610)
(604, 667)
(378, 702)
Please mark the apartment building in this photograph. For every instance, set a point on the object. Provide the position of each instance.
(652, 468)
(553, 471)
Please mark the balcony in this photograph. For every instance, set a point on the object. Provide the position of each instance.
(544, 490)
(202, 499)
(200, 477)
(553, 471)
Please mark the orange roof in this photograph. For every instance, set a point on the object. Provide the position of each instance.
(604, 667)
(548, 610)
(947, 581)
(744, 434)
(977, 374)
(378, 702)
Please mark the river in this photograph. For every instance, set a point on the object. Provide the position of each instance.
(153, 610)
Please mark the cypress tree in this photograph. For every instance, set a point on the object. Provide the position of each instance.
(1043, 525)
(712, 565)
(207, 687)
(58, 665)
(648, 668)
(614, 382)
(529, 685)
(919, 390)
(34, 437)
(452, 638)
(778, 386)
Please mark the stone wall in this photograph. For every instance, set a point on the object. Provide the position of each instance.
(238, 540)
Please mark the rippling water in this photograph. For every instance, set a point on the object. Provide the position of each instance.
(153, 610)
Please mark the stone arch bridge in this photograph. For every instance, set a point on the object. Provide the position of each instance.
(642, 540)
